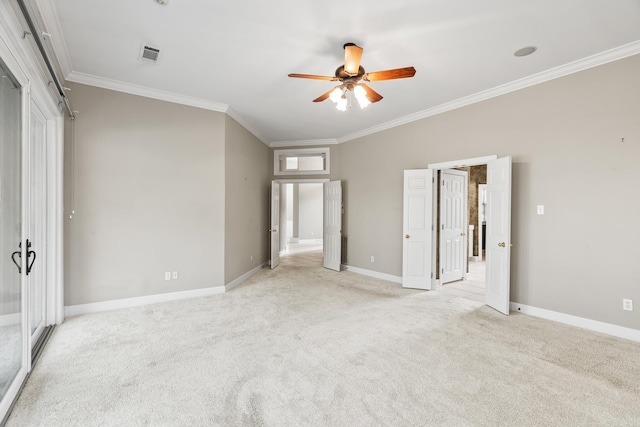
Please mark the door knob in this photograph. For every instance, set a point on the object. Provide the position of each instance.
(462, 234)
(406, 236)
(501, 244)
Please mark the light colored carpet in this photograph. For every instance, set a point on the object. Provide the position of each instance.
(312, 347)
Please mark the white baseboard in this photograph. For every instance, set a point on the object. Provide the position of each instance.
(580, 322)
(10, 319)
(244, 277)
(371, 273)
(73, 310)
(309, 240)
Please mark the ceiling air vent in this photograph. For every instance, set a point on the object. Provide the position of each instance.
(149, 54)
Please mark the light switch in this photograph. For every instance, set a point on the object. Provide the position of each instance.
(540, 209)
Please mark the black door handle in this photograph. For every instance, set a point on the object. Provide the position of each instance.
(29, 253)
(13, 258)
(30, 261)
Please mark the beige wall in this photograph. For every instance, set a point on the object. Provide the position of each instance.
(310, 207)
(565, 139)
(246, 201)
(149, 191)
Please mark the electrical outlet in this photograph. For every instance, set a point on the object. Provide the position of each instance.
(627, 304)
(540, 210)
(174, 275)
(251, 257)
(372, 258)
(167, 275)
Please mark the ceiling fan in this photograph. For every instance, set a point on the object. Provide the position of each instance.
(350, 74)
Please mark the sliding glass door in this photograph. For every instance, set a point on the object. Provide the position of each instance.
(12, 251)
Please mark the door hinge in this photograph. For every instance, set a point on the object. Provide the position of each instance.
(432, 274)
(442, 271)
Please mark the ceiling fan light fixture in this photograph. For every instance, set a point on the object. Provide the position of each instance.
(350, 75)
(342, 104)
(361, 96)
(336, 94)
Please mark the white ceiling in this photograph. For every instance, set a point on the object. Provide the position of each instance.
(238, 53)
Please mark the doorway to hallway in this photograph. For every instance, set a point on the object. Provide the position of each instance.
(303, 254)
(472, 287)
(471, 284)
(302, 224)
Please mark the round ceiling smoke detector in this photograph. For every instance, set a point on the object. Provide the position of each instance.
(525, 51)
(162, 2)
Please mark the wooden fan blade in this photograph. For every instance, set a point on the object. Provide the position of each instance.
(372, 95)
(352, 56)
(323, 96)
(398, 73)
(314, 77)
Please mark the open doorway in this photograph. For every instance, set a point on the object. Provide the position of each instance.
(420, 265)
(472, 232)
(302, 224)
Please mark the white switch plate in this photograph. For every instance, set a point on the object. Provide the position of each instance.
(174, 275)
(372, 258)
(627, 304)
(167, 275)
(540, 210)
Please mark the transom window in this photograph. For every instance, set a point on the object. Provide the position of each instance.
(301, 161)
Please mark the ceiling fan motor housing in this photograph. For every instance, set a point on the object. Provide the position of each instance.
(342, 75)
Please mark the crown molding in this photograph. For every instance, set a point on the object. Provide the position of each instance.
(51, 21)
(305, 142)
(147, 92)
(601, 58)
(238, 118)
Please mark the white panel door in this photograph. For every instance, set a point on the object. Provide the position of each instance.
(332, 225)
(417, 228)
(36, 232)
(275, 224)
(498, 239)
(453, 225)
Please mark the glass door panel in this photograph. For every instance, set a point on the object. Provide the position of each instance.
(11, 254)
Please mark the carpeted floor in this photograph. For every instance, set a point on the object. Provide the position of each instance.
(313, 347)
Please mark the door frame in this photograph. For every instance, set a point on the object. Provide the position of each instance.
(298, 181)
(474, 161)
(37, 222)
